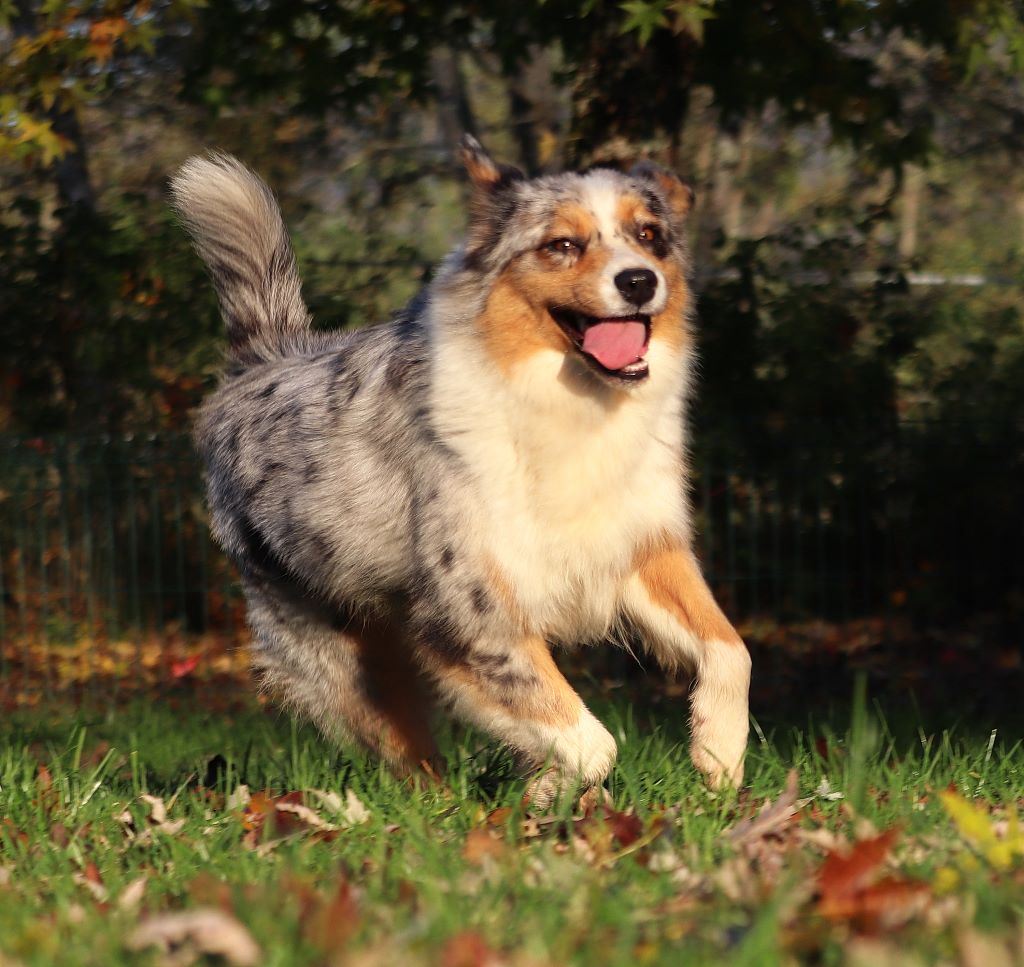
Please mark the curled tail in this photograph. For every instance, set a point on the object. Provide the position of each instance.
(236, 225)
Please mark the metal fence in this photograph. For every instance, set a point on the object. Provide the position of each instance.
(108, 576)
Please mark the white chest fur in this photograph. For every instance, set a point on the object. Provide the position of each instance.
(566, 485)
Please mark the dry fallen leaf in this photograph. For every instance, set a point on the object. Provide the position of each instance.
(468, 949)
(194, 933)
(482, 845)
(330, 922)
(843, 874)
(90, 878)
(305, 814)
(850, 887)
(980, 950)
(131, 896)
(772, 818)
(238, 799)
(158, 816)
(347, 812)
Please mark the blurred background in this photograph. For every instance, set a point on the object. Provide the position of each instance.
(858, 241)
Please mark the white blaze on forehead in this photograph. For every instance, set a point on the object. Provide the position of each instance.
(602, 195)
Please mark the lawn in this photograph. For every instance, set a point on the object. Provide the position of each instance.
(854, 842)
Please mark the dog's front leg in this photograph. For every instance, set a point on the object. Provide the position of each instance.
(514, 691)
(669, 601)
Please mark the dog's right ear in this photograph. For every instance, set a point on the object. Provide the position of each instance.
(485, 174)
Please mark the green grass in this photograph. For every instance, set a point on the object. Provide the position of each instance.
(404, 887)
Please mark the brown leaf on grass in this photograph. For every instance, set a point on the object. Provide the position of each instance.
(305, 815)
(158, 816)
(468, 949)
(330, 923)
(980, 950)
(874, 952)
(482, 845)
(626, 827)
(49, 796)
(843, 874)
(90, 878)
(850, 887)
(772, 819)
(131, 896)
(499, 817)
(11, 832)
(191, 934)
(269, 820)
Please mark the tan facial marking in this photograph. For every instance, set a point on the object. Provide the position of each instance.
(671, 325)
(630, 212)
(673, 581)
(516, 323)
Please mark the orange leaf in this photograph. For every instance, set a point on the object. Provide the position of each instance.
(626, 828)
(844, 875)
(179, 669)
(467, 949)
(480, 844)
(330, 924)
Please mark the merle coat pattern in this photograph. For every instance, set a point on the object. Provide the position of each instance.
(419, 510)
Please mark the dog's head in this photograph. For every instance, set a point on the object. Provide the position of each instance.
(591, 266)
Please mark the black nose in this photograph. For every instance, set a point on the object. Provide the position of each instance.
(636, 285)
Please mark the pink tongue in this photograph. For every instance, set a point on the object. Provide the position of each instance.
(615, 344)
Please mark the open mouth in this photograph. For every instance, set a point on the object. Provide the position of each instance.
(614, 346)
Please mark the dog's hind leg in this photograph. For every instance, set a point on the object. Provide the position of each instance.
(515, 692)
(353, 676)
(669, 601)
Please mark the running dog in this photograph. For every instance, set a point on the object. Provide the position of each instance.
(420, 510)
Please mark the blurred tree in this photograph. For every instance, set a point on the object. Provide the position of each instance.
(630, 67)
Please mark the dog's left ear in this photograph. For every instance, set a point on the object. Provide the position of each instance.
(485, 174)
(675, 191)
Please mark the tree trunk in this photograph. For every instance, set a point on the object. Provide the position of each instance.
(454, 111)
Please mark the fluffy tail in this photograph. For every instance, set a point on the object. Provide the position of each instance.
(237, 229)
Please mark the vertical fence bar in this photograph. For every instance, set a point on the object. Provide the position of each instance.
(730, 540)
(44, 590)
(179, 545)
(66, 624)
(709, 525)
(114, 624)
(842, 499)
(134, 592)
(753, 531)
(154, 622)
(88, 571)
(798, 577)
(777, 513)
(823, 572)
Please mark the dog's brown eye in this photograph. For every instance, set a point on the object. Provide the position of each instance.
(649, 234)
(564, 246)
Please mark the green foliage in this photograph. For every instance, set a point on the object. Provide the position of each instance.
(105, 323)
(61, 55)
